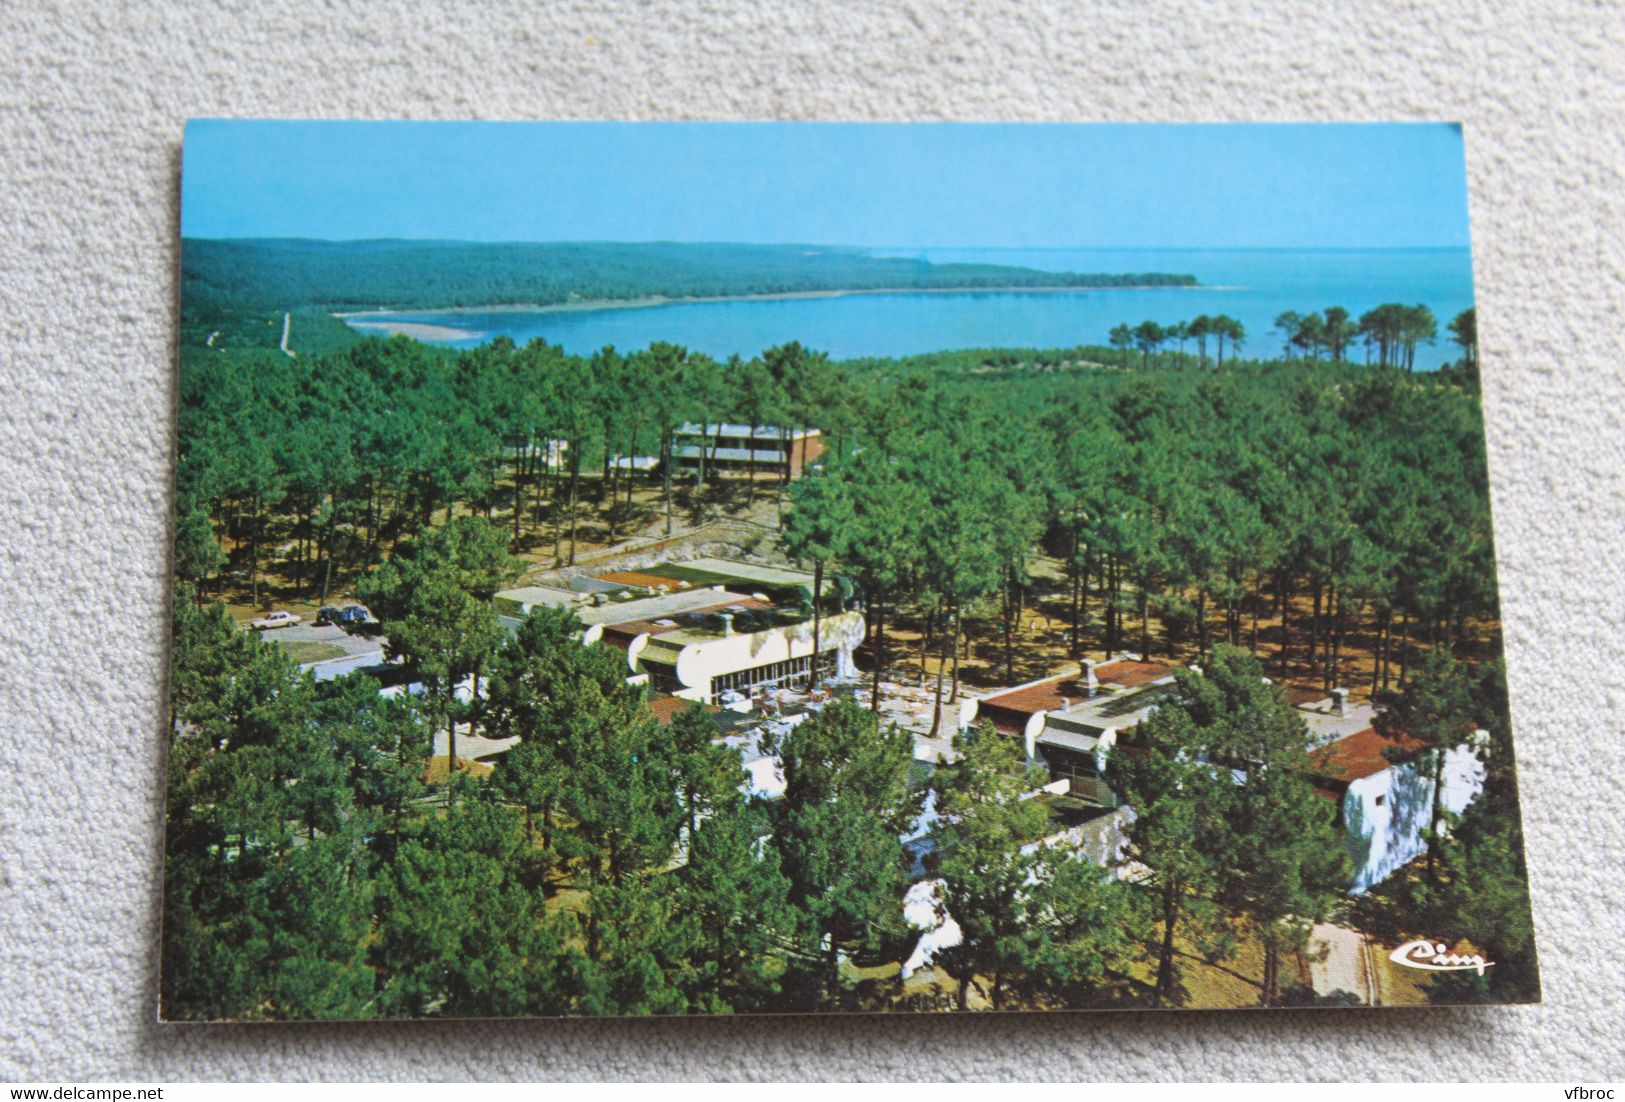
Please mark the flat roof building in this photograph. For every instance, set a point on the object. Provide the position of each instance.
(711, 630)
(704, 662)
(520, 600)
(1012, 710)
(613, 606)
(731, 449)
(1383, 788)
(779, 582)
(1069, 720)
(621, 632)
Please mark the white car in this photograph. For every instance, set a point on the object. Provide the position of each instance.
(277, 619)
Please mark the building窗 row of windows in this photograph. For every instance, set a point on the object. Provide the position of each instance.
(766, 676)
(762, 445)
(754, 447)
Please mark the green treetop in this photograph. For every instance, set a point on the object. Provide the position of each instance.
(847, 802)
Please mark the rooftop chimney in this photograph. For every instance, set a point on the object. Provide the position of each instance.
(1089, 678)
(1340, 701)
(727, 623)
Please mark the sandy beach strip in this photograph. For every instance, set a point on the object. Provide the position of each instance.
(418, 330)
(589, 305)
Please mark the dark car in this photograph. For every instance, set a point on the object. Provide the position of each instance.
(343, 617)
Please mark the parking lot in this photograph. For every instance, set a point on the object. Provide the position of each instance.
(327, 651)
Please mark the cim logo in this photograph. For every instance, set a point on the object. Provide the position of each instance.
(1435, 956)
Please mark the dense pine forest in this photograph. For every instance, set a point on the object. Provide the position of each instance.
(400, 275)
(1312, 519)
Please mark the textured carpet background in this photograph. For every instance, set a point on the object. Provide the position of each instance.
(93, 100)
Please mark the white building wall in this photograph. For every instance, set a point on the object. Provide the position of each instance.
(697, 663)
(1387, 814)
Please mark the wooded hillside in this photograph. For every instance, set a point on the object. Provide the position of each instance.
(289, 273)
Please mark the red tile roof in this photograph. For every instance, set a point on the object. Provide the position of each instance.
(1010, 710)
(641, 580)
(1016, 705)
(1360, 755)
(1131, 673)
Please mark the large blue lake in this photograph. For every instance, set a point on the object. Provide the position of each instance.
(1254, 286)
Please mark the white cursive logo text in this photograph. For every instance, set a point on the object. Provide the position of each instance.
(1435, 956)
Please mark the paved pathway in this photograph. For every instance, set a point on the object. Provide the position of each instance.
(359, 651)
(909, 707)
(1344, 968)
(475, 747)
(311, 632)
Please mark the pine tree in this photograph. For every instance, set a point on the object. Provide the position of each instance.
(1178, 830)
(433, 600)
(312, 913)
(733, 887)
(197, 553)
(1484, 894)
(1082, 931)
(986, 822)
(620, 787)
(267, 898)
(1479, 887)
(818, 527)
(848, 800)
(542, 656)
(639, 949)
(459, 934)
(880, 547)
(709, 774)
(1435, 708)
(1281, 862)
(1040, 923)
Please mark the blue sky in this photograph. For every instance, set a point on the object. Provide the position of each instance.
(925, 185)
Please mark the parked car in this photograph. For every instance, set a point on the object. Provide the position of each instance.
(345, 617)
(277, 619)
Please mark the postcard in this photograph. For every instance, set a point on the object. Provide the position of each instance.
(709, 568)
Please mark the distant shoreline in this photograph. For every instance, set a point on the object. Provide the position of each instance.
(589, 305)
(414, 329)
